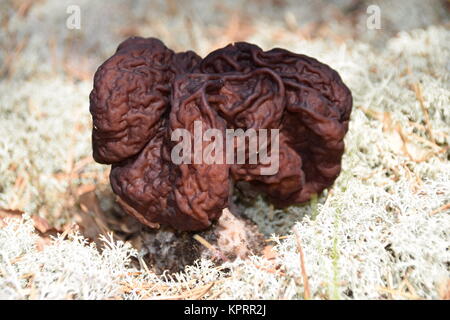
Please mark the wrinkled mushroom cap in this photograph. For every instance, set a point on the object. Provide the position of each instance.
(145, 92)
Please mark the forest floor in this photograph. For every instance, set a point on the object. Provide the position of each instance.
(382, 231)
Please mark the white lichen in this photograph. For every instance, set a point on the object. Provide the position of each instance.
(381, 232)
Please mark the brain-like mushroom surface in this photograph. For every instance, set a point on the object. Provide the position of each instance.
(145, 92)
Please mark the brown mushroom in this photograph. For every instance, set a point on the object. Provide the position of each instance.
(145, 92)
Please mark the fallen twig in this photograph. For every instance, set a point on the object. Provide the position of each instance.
(307, 293)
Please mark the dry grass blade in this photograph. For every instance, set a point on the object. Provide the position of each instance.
(440, 209)
(418, 91)
(193, 294)
(209, 246)
(203, 292)
(276, 239)
(307, 292)
(444, 290)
